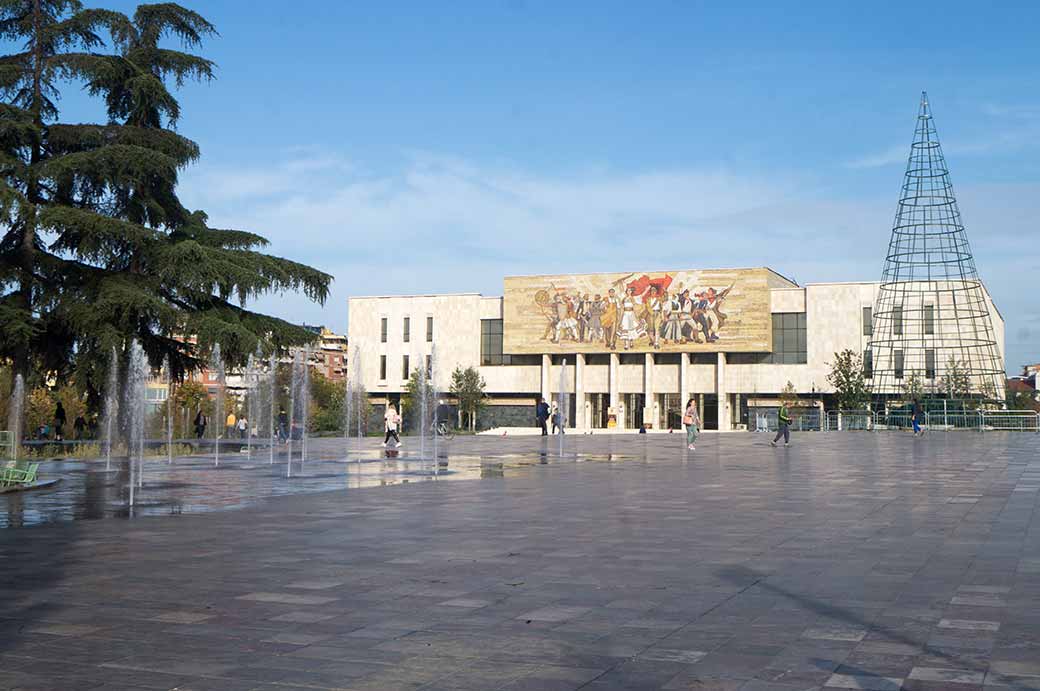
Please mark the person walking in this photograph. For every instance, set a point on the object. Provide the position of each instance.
(283, 426)
(229, 426)
(243, 427)
(59, 422)
(391, 419)
(200, 425)
(541, 412)
(692, 420)
(78, 427)
(916, 418)
(783, 419)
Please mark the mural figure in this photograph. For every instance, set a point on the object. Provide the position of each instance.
(635, 311)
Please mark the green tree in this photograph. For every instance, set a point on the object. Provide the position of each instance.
(411, 399)
(846, 376)
(326, 409)
(467, 386)
(913, 385)
(98, 248)
(955, 382)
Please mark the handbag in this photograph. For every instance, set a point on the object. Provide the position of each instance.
(687, 419)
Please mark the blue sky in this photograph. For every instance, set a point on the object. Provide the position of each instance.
(435, 147)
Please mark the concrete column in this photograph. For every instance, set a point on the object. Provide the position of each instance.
(581, 418)
(725, 419)
(649, 418)
(615, 388)
(546, 372)
(684, 380)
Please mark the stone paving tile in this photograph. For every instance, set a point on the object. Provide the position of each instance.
(842, 566)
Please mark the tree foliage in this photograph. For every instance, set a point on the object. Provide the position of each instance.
(97, 248)
(467, 386)
(789, 394)
(846, 376)
(955, 381)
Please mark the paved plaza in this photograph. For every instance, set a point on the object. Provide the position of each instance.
(850, 560)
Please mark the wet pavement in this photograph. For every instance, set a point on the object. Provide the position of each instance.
(856, 560)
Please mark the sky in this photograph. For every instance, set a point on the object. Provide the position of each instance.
(420, 147)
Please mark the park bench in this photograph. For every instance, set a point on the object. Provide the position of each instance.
(18, 473)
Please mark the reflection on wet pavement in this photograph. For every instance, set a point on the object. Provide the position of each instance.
(192, 484)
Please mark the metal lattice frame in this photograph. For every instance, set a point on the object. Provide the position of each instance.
(932, 331)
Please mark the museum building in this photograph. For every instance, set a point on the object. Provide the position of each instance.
(628, 349)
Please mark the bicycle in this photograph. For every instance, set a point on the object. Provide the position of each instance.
(443, 430)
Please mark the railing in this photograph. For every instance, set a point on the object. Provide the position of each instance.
(6, 445)
(804, 420)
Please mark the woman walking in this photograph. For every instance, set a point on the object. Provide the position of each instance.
(392, 420)
(692, 420)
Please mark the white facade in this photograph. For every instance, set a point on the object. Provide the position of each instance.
(608, 386)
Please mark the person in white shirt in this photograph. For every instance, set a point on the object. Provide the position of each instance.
(392, 420)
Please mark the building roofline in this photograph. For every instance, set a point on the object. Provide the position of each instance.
(414, 295)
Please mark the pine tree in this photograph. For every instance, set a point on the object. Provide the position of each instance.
(99, 248)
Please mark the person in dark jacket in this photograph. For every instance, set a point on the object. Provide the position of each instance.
(916, 418)
(59, 422)
(541, 412)
(200, 425)
(78, 427)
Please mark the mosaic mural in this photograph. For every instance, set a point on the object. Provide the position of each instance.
(666, 311)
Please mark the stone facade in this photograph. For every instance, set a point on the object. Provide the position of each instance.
(614, 389)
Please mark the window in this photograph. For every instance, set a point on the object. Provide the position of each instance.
(897, 321)
(382, 367)
(929, 319)
(155, 394)
(748, 358)
(929, 364)
(406, 333)
(491, 347)
(382, 330)
(405, 372)
(789, 339)
(429, 329)
(429, 366)
(868, 321)
(868, 363)
(898, 358)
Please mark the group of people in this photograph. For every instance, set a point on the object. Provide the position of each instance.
(543, 414)
(81, 428)
(233, 425)
(633, 311)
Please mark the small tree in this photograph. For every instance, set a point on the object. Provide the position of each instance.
(788, 395)
(846, 376)
(39, 410)
(955, 382)
(411, 400)
(467, 386)
(913, 385)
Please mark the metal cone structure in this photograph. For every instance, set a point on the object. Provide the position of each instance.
(932, 332)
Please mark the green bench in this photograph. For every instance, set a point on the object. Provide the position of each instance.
(18, 473)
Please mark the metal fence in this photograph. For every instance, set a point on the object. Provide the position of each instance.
(6, 445)
(811, 420)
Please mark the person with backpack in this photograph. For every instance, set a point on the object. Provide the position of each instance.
(783, 419)
(692, 420)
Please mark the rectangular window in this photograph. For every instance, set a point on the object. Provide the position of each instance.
(382, 330)
(406, 332)
(405, 372)
(929, 364)
(868, 363)
(897, 321)
(491, 342)
(929, 319)
(898, 358)
(868, 321)
(382, 367)
(429, 329)
(790, 345)
(429, 366)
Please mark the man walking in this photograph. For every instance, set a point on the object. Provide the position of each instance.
(541, 413)
(784, 426)
(916, 418)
